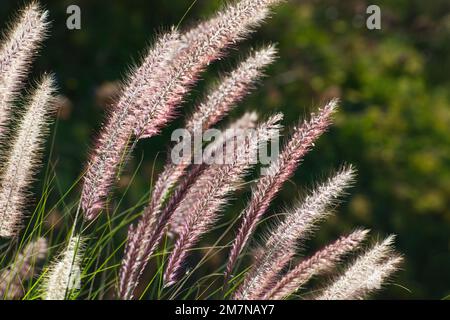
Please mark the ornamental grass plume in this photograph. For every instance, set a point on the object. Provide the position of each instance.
(281, 244)
(18, 47)
(175, 197)
(366, 274)
(230, 90)
(163, 86)
(217, 104)
(216, 148)
(114, 138)
(205, 199)
(63, 276)
(24, 157)
(322, 261)
(248, 121)
(266, 188)
(202, 45)
(22, 269)
(143, 240)
(188, 198)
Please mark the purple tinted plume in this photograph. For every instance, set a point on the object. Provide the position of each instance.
(115, 136)
(200, 46)
(320, 262)
(366, 275)
(18, 47)
(218, 102)
(300, 142)
(282, 242)
(209, 193)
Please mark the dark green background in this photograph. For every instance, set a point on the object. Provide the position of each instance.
(393, 124)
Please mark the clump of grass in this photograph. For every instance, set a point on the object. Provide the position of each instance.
(188, 198)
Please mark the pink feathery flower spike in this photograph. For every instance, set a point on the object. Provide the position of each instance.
(144, 239)
(200, 46)
(320, 262)
(366, 274)
(301, 141)
(189, 197)
(169, 83)
(137, 249)
(23, 268)
(217, 104)
(282, 242)
(230, 90)
(17, 50)
(24, 157)
(115, 137)
(247, 122)
(206, 199)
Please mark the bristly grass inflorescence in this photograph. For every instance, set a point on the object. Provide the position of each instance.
(188, 199)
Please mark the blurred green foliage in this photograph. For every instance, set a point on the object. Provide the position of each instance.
(393, 125)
